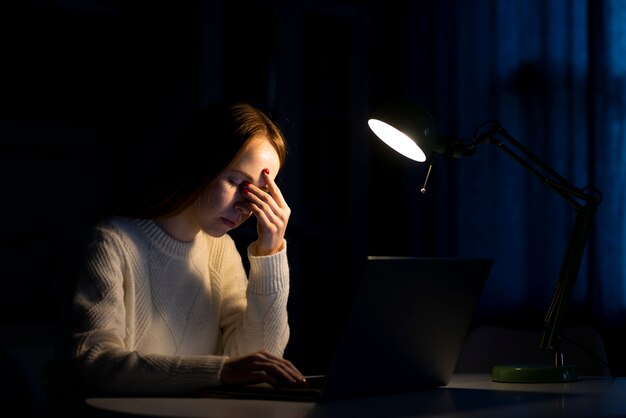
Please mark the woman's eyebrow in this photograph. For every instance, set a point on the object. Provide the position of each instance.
(242, 173)
(249, 178)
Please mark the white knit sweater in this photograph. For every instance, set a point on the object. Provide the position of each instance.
(157, 316)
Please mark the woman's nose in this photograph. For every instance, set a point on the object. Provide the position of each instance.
(242, 208)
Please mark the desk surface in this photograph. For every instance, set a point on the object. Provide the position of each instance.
(467, 395)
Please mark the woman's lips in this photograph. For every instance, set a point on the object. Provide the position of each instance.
(229, 223)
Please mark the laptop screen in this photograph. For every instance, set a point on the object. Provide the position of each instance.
(407, 325)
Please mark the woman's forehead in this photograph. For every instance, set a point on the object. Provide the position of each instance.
(254, 157)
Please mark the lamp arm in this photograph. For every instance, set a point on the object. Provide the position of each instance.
(559, 306)
(548, 176)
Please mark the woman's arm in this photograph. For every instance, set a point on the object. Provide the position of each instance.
(104, 337)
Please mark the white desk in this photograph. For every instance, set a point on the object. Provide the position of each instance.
(467, 395)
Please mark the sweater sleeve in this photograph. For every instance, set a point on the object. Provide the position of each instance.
(103, 354)
(257, 320)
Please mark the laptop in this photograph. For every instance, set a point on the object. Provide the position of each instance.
(404, 331)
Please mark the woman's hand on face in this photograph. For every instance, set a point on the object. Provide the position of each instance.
(272, 214)
(260, 367)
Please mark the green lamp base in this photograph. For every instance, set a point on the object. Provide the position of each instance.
(533, 373)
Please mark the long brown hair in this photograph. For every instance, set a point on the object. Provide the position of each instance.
(204, 149)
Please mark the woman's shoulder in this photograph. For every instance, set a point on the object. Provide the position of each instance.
(118, 224)
(118, 228)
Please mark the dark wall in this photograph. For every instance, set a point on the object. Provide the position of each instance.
(89, 92)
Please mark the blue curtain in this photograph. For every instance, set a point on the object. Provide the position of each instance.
(552, 72)
(608, 107)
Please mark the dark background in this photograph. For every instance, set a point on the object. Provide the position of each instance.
(91, 91)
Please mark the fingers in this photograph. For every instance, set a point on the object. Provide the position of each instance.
(272, 213)
(274, 190)
(265, 367)
(269, 202)
(260, 367)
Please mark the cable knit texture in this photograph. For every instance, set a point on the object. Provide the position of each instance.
(158, 316)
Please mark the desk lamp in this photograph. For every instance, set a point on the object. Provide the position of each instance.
(410, 130)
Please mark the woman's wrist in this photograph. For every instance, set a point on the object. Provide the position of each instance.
(257, 250)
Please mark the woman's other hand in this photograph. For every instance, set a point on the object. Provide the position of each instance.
(260, 367)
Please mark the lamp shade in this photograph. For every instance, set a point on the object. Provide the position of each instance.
(407, 128)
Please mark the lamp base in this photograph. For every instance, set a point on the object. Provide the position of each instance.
(533, 373)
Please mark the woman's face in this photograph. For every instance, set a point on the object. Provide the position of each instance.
(222, 207)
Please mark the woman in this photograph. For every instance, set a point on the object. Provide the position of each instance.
(164, 304)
